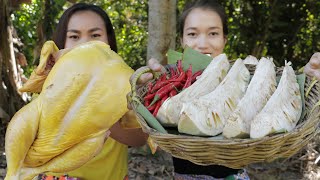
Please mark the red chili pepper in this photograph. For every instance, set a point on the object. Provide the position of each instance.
(163, 77)
(155, 112)
(189, 76)
(172, 71)
(151, 108)
(175, 71)
(189, 71)
(147, 103)
(179, 66)
(149, 97)
(173, 77)
(195, 75)
(164, 98)
(159, 85)
(149, 87)
(173, 92)
(187, 84)
(165, 90)
(181, 77)
(158, 105)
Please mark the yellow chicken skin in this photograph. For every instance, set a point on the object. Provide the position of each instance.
(64, 127)
(39, 75)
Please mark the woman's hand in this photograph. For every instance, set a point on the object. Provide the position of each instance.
(313, 66)
(132, 137)
(155, 66)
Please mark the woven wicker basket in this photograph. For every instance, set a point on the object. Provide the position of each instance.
(234, 153)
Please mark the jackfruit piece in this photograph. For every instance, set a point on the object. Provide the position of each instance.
(260, 89)
(283, 110)
(169, 112)
(208, 114)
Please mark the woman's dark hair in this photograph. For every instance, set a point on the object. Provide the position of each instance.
(206, 5)
(60, 34)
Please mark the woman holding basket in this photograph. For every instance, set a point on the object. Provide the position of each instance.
(203, 27)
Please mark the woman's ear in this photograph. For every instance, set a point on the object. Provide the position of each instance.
(225, 40)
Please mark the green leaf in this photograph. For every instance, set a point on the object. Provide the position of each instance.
(151, 120)
(301, 78)
(173, 56)
(197, 60)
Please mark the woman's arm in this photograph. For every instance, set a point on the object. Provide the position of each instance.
(130, 137)
(135, 136)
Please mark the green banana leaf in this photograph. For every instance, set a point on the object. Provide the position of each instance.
(189, 56)
(151, 120)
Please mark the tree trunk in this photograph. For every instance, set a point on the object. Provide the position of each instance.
(162, 28)
(10, 80)
(46, 25)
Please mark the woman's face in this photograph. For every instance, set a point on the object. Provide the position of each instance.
(85, 26)
(203, 32)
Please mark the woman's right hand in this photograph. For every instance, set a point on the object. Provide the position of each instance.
(155, 66)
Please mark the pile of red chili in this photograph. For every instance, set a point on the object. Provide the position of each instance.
(168, 85)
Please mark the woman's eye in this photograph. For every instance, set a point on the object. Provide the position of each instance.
(191, 34)
(214, 33)
(74, 37)
(96, 35)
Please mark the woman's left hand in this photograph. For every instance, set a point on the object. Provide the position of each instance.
(313, 66)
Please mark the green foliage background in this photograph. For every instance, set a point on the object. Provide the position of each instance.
(284, 30)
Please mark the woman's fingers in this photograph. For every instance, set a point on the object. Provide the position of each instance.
(315, 61)
(144, 78)
(155, 66)
(316, 73)
(313, 66)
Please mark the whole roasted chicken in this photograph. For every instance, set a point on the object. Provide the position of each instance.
(80, 98)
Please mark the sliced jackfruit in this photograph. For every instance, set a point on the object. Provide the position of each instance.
(169, 112)
(283, 110)
(207, 115)
(260, 89)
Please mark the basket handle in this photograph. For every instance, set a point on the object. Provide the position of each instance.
(135, 77)
(135, 102)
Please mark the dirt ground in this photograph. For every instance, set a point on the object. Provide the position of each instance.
(145, 166)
